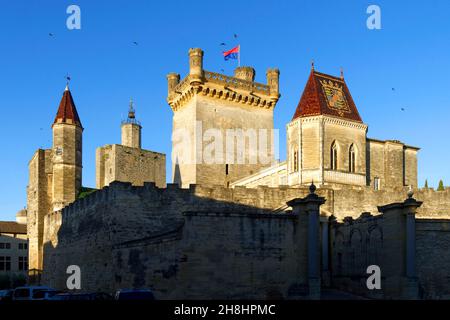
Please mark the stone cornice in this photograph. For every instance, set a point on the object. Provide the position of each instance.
(329, 119)
(222, 87)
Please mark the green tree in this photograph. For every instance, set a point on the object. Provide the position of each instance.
(426, 184)
(441, 185)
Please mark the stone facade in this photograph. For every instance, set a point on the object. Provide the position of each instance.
(54, 175)
(121, 163)
(334, 150)
(128, 162)
(13, 251)
(230, 243)
(211, 110)
(220, 231)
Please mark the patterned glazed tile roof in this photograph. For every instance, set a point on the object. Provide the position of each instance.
(326, 95)
(12, 227)
(67, 112)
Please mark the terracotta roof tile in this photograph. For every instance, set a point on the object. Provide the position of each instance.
(67, 112)
(327, 95)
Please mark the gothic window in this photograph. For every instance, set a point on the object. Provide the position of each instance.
(352, 159)
(334, 156)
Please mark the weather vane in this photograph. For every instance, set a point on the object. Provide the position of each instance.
(67, 79)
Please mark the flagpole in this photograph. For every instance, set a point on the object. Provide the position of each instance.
(239, 55)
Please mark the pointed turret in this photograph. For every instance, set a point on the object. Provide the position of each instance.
(67, 112)
(67, 153)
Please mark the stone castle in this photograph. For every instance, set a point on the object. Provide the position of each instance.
(239, 229)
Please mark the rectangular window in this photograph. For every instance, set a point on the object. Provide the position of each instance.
(5, 245)
(376, 183)
(5, 263)
(295, 161)
(23, 263)
(23, 246)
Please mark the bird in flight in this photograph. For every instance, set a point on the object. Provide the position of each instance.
(223, 44)
(235, 35)
(135, 43)
(50, 34)
(403, 109)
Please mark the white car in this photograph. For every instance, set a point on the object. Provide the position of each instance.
(33, 293)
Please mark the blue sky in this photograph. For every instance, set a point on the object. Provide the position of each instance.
(409, 53)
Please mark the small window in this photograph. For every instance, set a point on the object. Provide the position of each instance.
(23, 263)
(5, 263)
(22, 246)
(351, 159)
(5, 245)
(376, 183)
(58, 151)
(334, 156)
(295, 161)
(226, 169)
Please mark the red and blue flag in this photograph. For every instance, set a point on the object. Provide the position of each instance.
(232, 53)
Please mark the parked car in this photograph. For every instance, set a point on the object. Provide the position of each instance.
(134, 294)
(32, 293)
(44, 294)
(6, 295)
(81, 296)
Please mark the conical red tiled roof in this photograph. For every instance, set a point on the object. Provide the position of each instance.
(67, 112)
(326, 95)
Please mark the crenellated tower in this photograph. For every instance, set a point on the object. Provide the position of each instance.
(222, 125)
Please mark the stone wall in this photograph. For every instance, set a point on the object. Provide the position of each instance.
(382, 240)
(179, 241)
(216, 242)
(38, 203)
(127, 164)
(433, 259)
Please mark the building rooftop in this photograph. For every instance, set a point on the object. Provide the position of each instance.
(67, 112)
(12, 227)
(326, 95)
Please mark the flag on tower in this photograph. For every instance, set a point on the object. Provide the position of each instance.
(232, 53)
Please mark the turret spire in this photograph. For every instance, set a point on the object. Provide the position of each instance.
(67, 112)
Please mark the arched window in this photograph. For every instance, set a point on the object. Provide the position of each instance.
(334, 156)
(352, 159)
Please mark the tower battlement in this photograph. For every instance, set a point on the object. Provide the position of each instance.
(241, 88)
